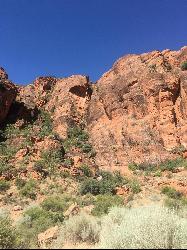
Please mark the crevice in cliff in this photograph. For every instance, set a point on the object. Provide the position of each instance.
(176, 95)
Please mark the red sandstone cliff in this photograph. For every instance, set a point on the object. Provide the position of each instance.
(137, 111)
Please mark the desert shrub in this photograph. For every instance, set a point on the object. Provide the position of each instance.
(7, 151)
(46, 125)
(20, 183)
(68, 162)
(90, 186)
(85, 200)
(81, 228)
(65, 174)
(56, 204)
(35, 220)
(148, 167)
(158, 173)
(86, 170)
(176, 204)
(104, 202)
(9, 238)
(4, 167)
(77, 132)
(50, 160)
(107, 184)
(171, 165)
(143, 228)
(175, 200)
(29, 190)
(178, 150)
(172, 193)
(77, 137)
(41, 168)
(168, 165)
(184, 65)
(4, 185)
(86, 148)
(134, 186)
(133, 166)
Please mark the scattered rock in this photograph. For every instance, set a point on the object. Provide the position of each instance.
(122, 191)
(17, 208)
(46, 238)
(72, 210)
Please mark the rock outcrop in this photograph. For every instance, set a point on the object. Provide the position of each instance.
(137, 111)
(65, 99)
(8, 93)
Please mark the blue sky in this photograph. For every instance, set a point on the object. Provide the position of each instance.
(65, 37)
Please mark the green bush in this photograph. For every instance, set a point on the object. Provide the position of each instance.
(50, 160)
(29, 190)
(86, 170)
(172, 193)
(55, 204)
(176, 204)
(8, 235)
(168, 165)
(86, 148)
(171, 165)
(68, 162)
(65, 174)
(184, 65)
(143, 228)
(35, 220)
(90, 186)
(104, 202)
(148, 167)
(77, 137)
(134, 186)
(20, 183)
(41, 168)
(107, 184)
(4, 185)
(4, 167)
(76, 132)
(46, 125)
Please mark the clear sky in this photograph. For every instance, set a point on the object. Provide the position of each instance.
(65, 37)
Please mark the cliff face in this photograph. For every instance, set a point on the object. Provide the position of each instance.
(7, 94)
(137, 111)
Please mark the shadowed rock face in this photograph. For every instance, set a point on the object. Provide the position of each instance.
(8, 93)
(3, 74)
(65, 99)
(137, 111)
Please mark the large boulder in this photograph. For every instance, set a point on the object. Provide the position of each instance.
(47, 237)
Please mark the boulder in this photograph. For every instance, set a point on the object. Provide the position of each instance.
(46, 238)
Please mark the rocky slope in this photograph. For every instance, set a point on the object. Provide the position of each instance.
(57, 134)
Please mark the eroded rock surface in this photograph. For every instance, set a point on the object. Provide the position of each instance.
(138, 111)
